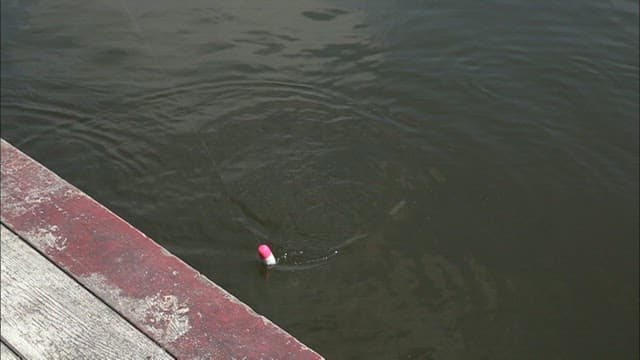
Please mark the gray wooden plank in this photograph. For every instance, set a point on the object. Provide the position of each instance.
(47, 315)
(6, 353)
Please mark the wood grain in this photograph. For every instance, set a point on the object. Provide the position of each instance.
(190, 316)
(7, 354)
(47, 315)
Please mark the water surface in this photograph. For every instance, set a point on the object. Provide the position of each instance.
(440, 180)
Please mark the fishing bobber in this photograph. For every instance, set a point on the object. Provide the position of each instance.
(266, 255)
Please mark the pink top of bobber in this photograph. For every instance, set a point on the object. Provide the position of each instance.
(264, 251)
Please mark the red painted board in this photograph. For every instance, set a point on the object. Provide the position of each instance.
(182, 310)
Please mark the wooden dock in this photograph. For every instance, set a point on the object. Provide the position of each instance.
(78, 282)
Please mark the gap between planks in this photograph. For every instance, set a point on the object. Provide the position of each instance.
(48, 315)
(7, 354)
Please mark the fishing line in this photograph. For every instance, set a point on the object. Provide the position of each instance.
(250, 221)
(250, 224)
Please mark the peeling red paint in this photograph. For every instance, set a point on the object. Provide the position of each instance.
(163, 296)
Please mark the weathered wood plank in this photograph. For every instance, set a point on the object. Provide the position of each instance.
(6, 353)
(47, 315)
(183, 311)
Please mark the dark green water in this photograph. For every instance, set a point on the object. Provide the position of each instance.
(442, 180)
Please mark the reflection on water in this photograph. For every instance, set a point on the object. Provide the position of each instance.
(439, 181)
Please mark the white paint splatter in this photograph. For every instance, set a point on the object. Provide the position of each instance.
(249, 310)
(18, 200)
(46, 238)
(163, 316)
